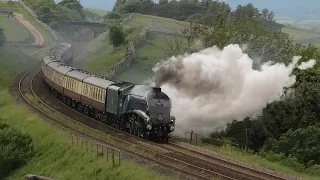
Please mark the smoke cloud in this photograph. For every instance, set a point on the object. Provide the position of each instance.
(212, 87)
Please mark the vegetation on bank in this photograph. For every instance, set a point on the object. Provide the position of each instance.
(30, 145)
(275, 135)
(51, 13)
(12, 30)
(102, 54)
(286, 130)
(17, 8)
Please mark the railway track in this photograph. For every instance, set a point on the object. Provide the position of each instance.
(185, 170)
(189, 162)
(207, 166)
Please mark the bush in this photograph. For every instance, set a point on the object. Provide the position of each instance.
(116, 35)
(314, 170)
(293, 163)
(112, 15)
(15, 149)
(275, 157)
(215, 142)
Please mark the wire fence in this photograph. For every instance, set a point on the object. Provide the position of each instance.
(211, 143)
(100, 150)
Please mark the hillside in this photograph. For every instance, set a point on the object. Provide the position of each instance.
(102, 55)
(303, 36)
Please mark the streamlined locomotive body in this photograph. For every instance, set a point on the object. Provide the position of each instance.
(137, 109)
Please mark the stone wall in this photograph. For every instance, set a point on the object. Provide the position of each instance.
(130, 55)
(132, 48)
(45, 26)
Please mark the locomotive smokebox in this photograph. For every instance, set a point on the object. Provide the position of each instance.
(156, 89)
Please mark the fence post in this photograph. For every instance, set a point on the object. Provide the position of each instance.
(97, 149)
(86, 145)
(113, 157)
(191, 137)
(77, 141)
(107, 153)
(81, 143)
(102, 151)
(119, 157)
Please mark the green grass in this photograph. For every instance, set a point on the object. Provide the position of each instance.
(57, 157)
(102, 55)
(303, 36)
(299, 34)
(256, 160)
(139, 21)
(12, 30)
(147, 56)
(100, 12)
(17, 8)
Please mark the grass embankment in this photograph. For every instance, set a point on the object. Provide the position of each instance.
(302, 36)
(102, 55)
(55, 155)
(12, 30)
(17, 8)
(254, 159)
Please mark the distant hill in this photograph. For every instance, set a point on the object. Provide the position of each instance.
(290, 8)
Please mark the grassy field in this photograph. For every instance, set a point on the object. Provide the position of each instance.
(17, 8)
(55, 155)
(12, 31)
(257, 160)
(102, 55)
(16, 32)
(303, 36)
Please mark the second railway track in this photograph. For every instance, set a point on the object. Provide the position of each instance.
(184, 160)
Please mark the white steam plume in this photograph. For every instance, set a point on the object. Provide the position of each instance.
(212, 87)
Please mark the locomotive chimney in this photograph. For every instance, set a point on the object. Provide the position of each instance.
(157, 89)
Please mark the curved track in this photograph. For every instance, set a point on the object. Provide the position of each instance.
(181, 159)
(26, 88)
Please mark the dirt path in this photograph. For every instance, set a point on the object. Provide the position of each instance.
(35, 33)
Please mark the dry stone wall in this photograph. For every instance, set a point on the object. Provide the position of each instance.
(132, 48)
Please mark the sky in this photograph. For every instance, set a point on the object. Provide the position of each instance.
(292, 8)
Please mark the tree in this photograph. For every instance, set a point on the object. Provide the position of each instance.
(118, 4)
(73, 5)
(2, 37)
(116, 35)
(162, 2)
(302, 143)
(15, 149)
(132, 6)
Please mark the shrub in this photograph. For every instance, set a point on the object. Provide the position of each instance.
(16, 149)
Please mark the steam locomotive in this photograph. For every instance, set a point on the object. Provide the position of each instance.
(137, 109)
